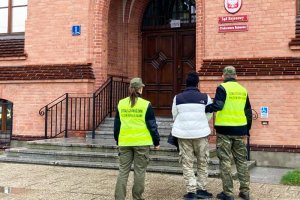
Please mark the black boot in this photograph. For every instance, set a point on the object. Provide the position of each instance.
(244, 196)
(203, 194)
(190, 196)
(224, 196)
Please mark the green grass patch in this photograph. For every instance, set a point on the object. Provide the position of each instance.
(291, 178)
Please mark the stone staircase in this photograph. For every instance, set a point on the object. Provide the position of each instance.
(102, 152)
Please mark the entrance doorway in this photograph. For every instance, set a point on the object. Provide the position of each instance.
(6, 109)
(168, 53)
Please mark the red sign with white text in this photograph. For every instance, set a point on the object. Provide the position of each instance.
(233, 28)
(233, 19)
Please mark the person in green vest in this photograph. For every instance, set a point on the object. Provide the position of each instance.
(135, 130)
(233, 122)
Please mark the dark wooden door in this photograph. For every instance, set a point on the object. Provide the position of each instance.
(167, 57)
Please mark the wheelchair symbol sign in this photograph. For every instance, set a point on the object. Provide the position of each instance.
(264, 112)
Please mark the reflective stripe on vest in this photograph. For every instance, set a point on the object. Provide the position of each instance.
(134, 131)
(233, 113)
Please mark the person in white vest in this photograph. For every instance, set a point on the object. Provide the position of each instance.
(192, 130)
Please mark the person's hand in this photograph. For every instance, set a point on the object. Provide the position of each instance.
(156, 147)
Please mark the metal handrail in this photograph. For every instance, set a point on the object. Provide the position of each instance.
(106, 99)
(83, 113)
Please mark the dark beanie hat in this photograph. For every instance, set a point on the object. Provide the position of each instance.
(192, 79)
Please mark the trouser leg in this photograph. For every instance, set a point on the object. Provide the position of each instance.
(141, 160)
(224, 154)
(201, 148)
(125, 159)
(239, 152)
(187, 160)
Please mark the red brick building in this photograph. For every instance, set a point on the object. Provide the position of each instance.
(159, 40)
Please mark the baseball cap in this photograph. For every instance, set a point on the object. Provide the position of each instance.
(229, 70)
(136, 83)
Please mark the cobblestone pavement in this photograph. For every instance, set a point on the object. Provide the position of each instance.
(31, 182)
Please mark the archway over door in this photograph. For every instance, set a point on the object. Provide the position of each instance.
(168, 50)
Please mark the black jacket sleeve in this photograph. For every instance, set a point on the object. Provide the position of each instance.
(117, 126)
(152, 126)
(248, 113)
(219, 100)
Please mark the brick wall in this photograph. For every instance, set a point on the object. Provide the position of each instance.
(48, 37)
(29, 97)
(135, 16)
(116, 40)
(111, 40)
(281, 95)
(271, 28)
(99, 31)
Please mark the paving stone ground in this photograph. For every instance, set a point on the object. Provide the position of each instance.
(39, 182)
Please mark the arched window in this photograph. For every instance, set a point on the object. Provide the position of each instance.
(13, 14)
(159, 13)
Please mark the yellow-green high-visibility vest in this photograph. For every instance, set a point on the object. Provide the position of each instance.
(233, 113)
(134, 131)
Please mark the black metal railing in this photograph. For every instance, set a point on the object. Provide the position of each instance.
(254, 117)
(83, 112)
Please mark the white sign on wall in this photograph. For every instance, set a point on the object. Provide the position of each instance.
(264, 112)
(175, 23)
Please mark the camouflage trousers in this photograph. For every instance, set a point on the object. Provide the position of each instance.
(228, 147)
(139, 156)
(189, 150)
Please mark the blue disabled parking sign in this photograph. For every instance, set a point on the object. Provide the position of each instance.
(264, 112)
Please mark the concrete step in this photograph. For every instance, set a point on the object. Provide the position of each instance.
(86, 152)
(102, 151)
(109, 137)
(91, 145)
(110, 132)
(107, 145)
(155, 159)
(110, 127)
(158, 120)
(104, 165)
(162, 123)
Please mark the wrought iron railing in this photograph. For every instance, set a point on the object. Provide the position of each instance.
(254, 117)
(83, 112)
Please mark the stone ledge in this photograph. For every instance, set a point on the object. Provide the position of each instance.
(47, 72)
(276, 148)
(264, 66)
(12, 48)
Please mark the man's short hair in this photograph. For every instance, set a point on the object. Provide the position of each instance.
(192, 79)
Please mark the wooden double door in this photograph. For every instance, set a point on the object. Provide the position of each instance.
(167, 58)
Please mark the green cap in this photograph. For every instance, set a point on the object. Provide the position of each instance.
(229, 70)
(136, 83)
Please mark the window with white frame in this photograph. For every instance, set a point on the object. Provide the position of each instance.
(13, 14)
